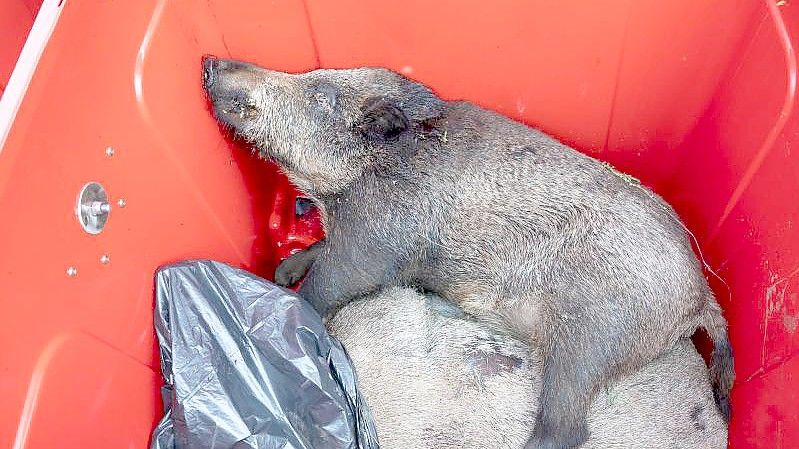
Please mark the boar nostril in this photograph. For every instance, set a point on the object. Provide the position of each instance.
(208, 71)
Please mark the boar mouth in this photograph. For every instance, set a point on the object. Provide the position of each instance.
(233, 106)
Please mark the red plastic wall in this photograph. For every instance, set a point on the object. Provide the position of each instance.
(696, 98)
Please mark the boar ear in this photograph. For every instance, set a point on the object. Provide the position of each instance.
(381, 119)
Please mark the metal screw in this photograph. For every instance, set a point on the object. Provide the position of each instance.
(109, 151)
(122, 203)
(96, 208)
(72, 272)
(104, 259)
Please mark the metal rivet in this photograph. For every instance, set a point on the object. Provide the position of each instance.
(104, 259)
(109, 151)
(72, 272)
(122, 203)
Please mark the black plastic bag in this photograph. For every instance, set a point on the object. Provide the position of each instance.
(248, 364)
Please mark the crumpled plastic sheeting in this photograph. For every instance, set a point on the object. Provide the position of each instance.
(248, 364)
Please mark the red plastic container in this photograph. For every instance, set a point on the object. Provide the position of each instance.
(695, 98)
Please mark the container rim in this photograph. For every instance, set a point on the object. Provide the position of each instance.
(20, 79)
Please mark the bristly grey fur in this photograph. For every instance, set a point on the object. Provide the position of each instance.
(415, 358)
(497, 217)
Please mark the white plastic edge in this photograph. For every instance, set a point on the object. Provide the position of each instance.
(34, 46)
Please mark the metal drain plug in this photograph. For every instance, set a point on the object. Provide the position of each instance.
(92, 208)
